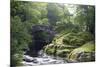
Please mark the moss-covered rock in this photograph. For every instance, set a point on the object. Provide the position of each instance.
(85, 36)
(72, 46)
(63, 53)
(84, 53)
(58, 50)
(77, 39)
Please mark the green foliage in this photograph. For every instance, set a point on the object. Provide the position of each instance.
(63, 45)
(16, 59)
(57, 13)
(85, 17)
(77, 39)
(20, 33)
(86, 36)
(58, 50)
(19, 39)
(63, 53)
(72, 29)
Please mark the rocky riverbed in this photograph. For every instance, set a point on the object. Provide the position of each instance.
(41, 59)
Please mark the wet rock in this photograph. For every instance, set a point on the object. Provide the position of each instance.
(27, 58)
(35, 61)
(41, 60)
(53, 62)
(28, 63)
(86, 56)
(46, 60)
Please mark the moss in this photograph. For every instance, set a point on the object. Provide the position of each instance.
(58, 50)
(63, 53)
(16, 60)
(86, 36)
(50, 51)
(71, 45)
(77, 39)
(83, 53)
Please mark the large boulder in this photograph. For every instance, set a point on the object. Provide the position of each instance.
(27, 58)
(58, 50)
(41, 36)
(64, 45)
(77, 39)
(84, 53)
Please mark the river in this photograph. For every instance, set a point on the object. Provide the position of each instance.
(42, 59)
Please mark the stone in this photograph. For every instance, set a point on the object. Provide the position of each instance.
(35, 61)
(27, 58)
(45, 60)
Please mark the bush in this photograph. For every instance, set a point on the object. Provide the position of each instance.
(16, 60)
(20, 38)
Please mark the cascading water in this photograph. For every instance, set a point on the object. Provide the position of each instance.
(42, 35)
(41, 59)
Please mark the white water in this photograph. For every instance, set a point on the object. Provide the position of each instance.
(42, 59)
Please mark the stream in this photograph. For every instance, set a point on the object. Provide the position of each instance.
(41, 59)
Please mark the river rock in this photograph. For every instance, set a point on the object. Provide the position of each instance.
(28, 63)
(27, 58)
(45, 60)
(35, 61)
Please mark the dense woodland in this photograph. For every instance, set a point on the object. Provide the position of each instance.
(63, 30)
